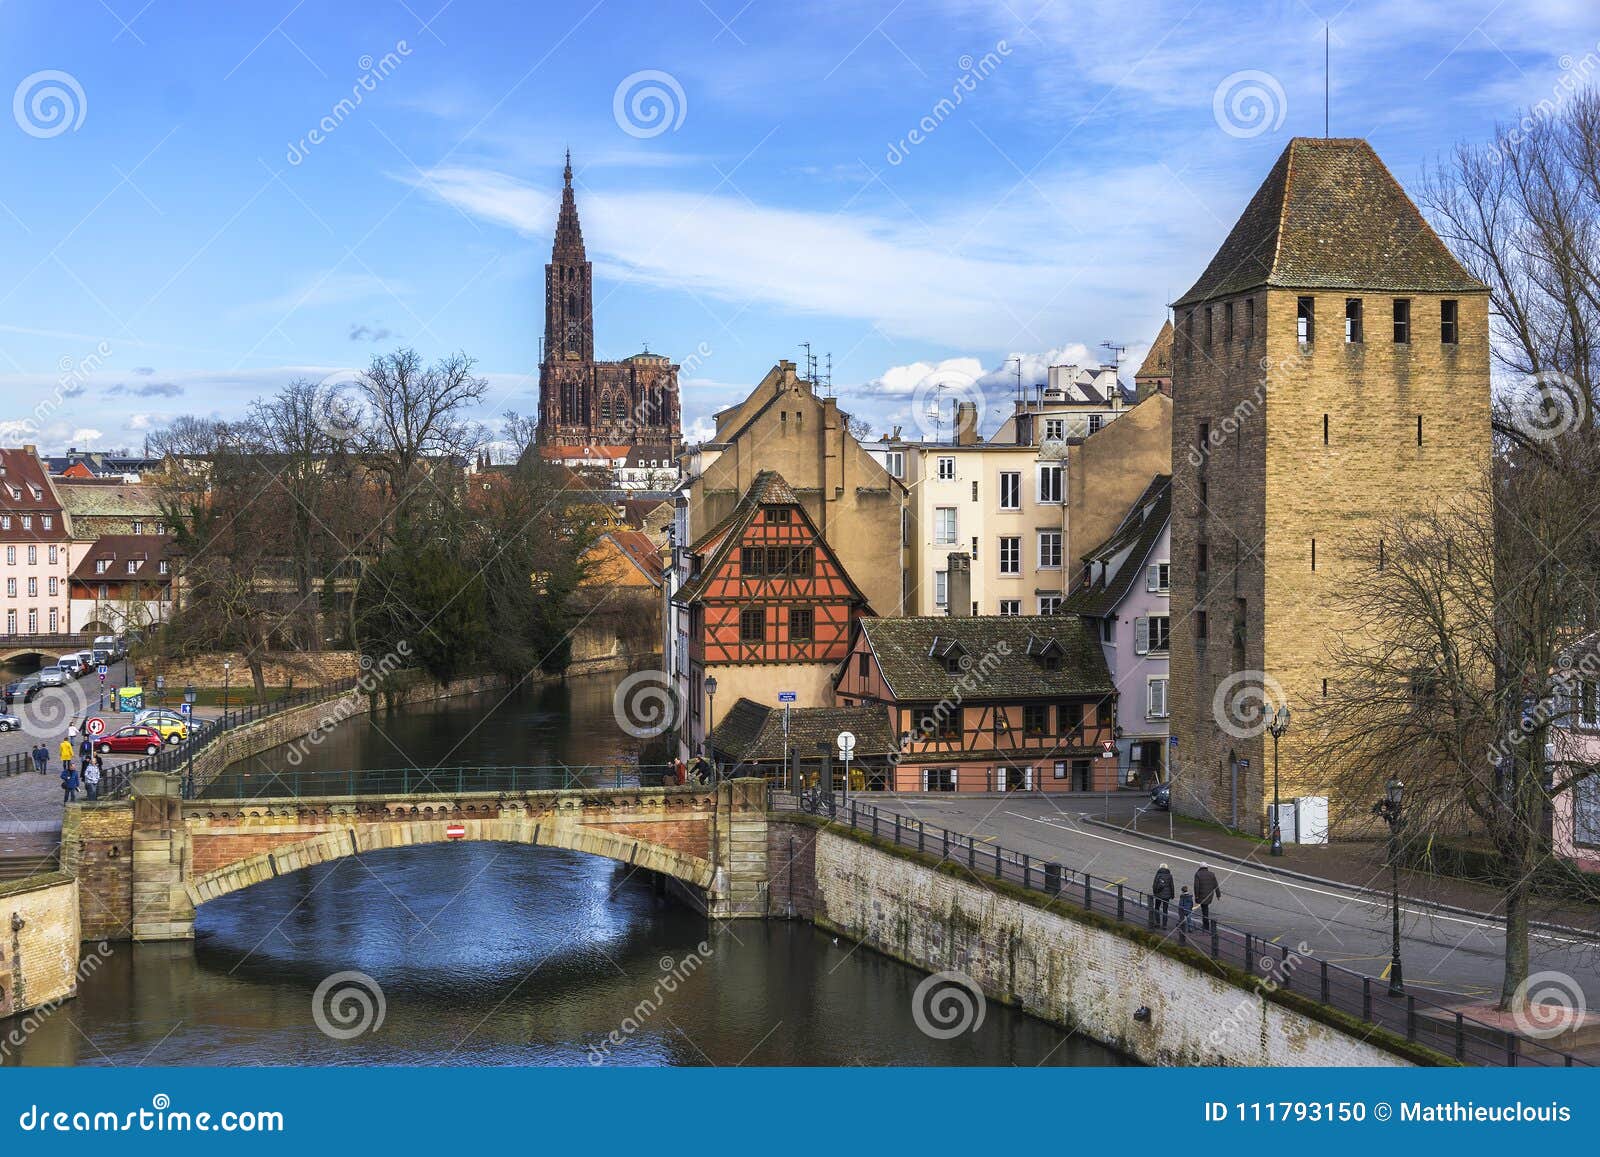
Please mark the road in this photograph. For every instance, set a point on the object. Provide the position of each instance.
(1442, 952)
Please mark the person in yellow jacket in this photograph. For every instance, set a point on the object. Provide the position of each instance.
(66, 755)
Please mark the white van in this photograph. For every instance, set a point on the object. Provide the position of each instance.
(70, 665)
(106, 643)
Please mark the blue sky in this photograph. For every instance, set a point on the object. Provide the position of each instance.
(172, 239)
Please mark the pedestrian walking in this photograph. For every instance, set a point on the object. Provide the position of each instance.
(1185, 909)
(680, 771)
(85, 750)
(41, 757)
(69, 784)
(66, 755)
(91, 779)
(1161, 892)
(1206, 892)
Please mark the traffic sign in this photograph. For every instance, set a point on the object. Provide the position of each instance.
(102, 678)
(104, 670)
(455, 832)
(94, 725)
(847, 743)
(787, 697)
(1108, 750)
(185, 708)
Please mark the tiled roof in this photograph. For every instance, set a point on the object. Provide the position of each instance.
(1002, 650)
(1138, 533)
(108, 499)
(117, 550)
(753, 732)
(26, 490)
(1158, 362)
(1330, 215)
(636, 545)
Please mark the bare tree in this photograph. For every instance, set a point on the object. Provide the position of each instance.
(1462, 661)
(418, 418)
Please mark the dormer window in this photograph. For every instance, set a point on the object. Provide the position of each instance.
(163, 567)
(1045, 651)
(950, 654)
(27, 522)
(138, 527)
(133, 567)
(100, 565)
(47, 521)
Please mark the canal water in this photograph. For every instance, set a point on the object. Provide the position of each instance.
(502, 954)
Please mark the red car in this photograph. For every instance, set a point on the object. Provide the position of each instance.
(145, 740)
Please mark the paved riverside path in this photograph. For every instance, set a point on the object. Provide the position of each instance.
(1445, 954)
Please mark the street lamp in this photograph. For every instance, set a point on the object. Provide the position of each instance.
(226, 667)
(1279, 724)
(711, 719)
(1388, 809)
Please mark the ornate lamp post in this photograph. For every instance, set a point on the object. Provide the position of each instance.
(1388, 808)
(1279, 725)
(711, 719)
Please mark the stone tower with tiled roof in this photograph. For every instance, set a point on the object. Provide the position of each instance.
(1330, 370)
(1155, 372)
(583, 402)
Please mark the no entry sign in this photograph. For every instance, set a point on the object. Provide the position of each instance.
(455, 832)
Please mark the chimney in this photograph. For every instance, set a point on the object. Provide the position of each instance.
(966, 423)
(958, 585)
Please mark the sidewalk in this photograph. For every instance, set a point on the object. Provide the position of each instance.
(1358, 864)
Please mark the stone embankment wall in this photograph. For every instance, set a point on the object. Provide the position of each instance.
(38, 942)
(279, 668)
(1071, 972)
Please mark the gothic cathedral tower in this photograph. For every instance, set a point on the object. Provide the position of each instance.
(584, 403)
(1330, 370)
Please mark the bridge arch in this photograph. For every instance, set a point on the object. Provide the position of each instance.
(357, 839)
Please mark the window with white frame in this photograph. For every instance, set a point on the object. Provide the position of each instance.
(938, 779)
(1010, 490)
(941, 588)
(55, 555)
(1010, 554)
(1155, 699)
(33, 588)
(138, 527)
(1095, 422)
(11, 556)
(1049, 604)
(47, 521)
(894, 462)
(33, 556)
(162, 566)
(133, 566)
(1050, 550)
(55, 620)
(100, 565)
(944, 525)
(33, 622)
(27, 522)
(11, 590)
(947, 468)
(1010, 607)
(1152, 634)
(1049, 482)
(55, 585)
(1158, 578)
(1055, 427)
(11, 622)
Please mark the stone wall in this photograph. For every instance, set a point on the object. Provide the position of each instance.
(1021, 953)
(96, 842)
(38, 942)
(280, 668)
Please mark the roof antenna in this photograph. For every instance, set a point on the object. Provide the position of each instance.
(827, 376)
(1018, 360)
(1327, 77)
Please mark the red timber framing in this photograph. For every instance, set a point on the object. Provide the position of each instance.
(963, 741)
(770, 589)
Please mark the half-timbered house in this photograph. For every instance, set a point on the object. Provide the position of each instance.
(992, 703)
(768, 604)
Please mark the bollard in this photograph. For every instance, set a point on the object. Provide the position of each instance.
(1052, 878)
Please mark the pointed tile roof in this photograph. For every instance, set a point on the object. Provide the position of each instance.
(1003, 648)
(1158, 362)
(1138, 533)
(1330, 215)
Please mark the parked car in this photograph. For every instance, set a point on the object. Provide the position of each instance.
(88, 661)
(1161, 797)
(9, 722)
(52, 677)
(132, 739)
(23, 690)
(70, 665)
(101, 655)
(174, 728)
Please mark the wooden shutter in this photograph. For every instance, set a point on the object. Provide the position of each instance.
(1141, 635)
(1152, 577)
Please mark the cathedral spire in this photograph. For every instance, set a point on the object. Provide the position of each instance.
(568, 248)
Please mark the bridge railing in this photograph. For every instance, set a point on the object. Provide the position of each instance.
(266, 784)
(1278, 967)
(179, 757)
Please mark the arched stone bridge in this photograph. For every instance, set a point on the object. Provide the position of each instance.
(145, 865)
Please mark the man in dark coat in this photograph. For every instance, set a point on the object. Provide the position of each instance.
(1205, 891)
(1161, 889)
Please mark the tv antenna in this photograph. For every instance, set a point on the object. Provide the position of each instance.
(827, 376)
(1327, 77)
(811, 363)
(1018, 361)
(1116, 351)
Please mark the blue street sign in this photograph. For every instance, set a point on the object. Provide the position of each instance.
(104, 670)
(184, 708)
(787, 697)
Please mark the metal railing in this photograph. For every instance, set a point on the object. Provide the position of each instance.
(425, 780)
(179, 757)
(1416, 1018)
